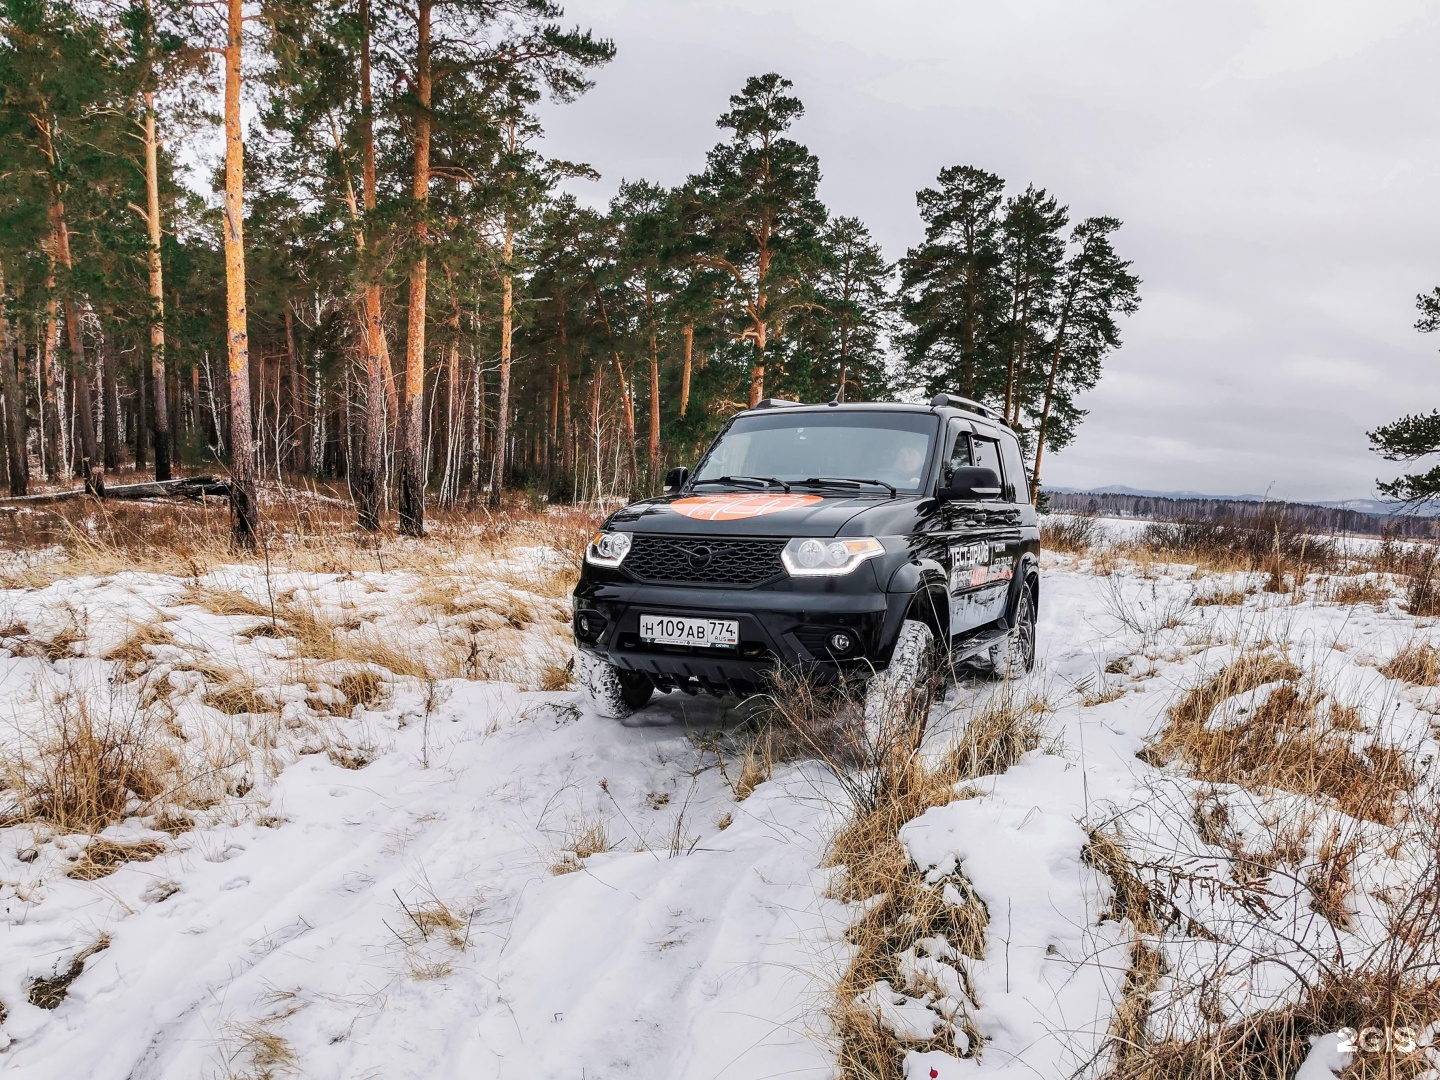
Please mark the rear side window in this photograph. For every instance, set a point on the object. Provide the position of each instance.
(1018, 484)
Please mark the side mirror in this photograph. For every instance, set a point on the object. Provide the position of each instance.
(970, 483)
(675, 479)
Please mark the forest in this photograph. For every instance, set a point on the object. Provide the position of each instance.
(389, 284)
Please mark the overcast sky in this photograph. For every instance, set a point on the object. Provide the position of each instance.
(1276, 164)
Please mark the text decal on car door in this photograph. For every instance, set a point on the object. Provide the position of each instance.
(737, 507)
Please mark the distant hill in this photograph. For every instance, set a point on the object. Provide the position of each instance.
(1375, 507)
(1179, 506)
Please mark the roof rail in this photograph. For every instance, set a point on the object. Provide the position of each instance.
(955, 401)
(776, 403)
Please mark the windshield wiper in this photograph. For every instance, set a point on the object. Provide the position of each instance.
(757, 481)
(848, 481)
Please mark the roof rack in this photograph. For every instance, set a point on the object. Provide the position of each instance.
(955, 401)
(776, 403)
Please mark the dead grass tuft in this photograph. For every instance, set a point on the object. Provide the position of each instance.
(1417, 662)
(586, 838)
(1363, 590)
(1075, 535)
(131, 654)
(239, 696)
(81, 773)
(1219, 596)
(103, 857)
(1282, 742)
(904, 912)
(362, 689)
(49, 993)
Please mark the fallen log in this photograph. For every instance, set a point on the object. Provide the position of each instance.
(190, 487)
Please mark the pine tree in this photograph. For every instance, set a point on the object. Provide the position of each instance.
(1095, 285)
(1031, 251)
(754, 216)
(854, 310)
(949, 285)
(1415, 436)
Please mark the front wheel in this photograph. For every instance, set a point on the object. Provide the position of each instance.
(897, 699)
(612, 691)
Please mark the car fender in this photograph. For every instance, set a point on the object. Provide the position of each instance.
(1027, 576)
(907, 582)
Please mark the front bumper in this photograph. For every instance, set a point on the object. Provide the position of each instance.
(787, 623)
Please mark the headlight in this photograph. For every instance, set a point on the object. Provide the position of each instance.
(608, 548)
(811, 557)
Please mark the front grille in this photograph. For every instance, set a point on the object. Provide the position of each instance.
(702, 561)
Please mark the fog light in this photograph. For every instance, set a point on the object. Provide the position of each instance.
(583, 623)
(841, 642)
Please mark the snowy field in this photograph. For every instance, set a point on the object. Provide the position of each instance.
(367, 830)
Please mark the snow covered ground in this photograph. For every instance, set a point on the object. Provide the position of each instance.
(457, 870)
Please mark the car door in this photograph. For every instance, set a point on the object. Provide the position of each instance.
(967, 546)
(998, 522)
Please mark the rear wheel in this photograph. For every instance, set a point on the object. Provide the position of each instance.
(1014, 656)
(612, 691)
(897, 699)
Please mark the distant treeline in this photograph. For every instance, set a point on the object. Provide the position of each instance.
(1322, 519)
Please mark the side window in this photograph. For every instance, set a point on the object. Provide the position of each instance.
(959, 451)
(1019, 484)
(987, 455)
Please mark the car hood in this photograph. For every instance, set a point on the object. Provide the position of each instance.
(758, 513)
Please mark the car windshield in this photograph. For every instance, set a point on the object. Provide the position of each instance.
(892, 448)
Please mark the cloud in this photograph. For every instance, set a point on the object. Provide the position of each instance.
(1275, 165)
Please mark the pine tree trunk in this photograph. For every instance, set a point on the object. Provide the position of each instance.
(688, 332)
(297, 438)
(17, 465)
(52, 422)
(87, 462)
(370, 479)
(142, 421)
(157, 297)
(412, 464)
(654, 446)
(244, 512)
(757, 372)
(110, 403)
(1055, 357)
(502, 406)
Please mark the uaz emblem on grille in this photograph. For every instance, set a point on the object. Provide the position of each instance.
(698, 557)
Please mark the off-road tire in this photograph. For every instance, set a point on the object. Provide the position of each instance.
(897, 698)
(1015, 656)
(612, 692)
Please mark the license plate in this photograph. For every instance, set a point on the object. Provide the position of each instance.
(703, 633)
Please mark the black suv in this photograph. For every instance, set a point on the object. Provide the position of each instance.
(845, 539)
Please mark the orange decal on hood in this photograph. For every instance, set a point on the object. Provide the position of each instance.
(736, 507)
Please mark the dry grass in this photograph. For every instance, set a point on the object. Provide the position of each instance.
(1422, 595)
(103, 857)
(1075, 535)
(903, 909)
(362, 689)
(48, 993)
(1417, 662)
(83, 772)
(1220, 596)
(1361, 590)
(1284, 742)
(1270, 542)
(586, 838)
(238, 696)
(132, 653)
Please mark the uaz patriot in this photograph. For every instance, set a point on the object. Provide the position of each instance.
(846, 539)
